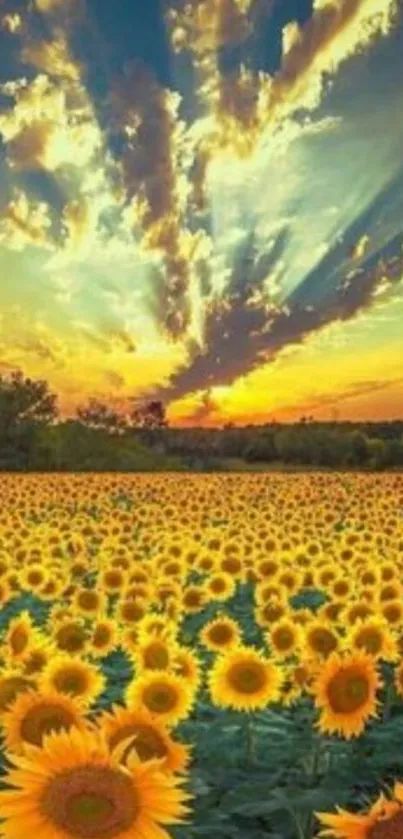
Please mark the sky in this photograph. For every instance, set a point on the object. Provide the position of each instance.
(202, 202)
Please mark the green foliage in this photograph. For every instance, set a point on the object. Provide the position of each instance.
(33, 438)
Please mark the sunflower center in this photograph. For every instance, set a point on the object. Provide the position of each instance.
(391, 828)
(218, 586)
(10, 688)
(70, 638)
(92, 802)
(160, 698)
(147, 742)
(35, 578)
(283, 639)
(102, 636)
(348, 691)
(88, 600)
(323, 641)
(132, 611)
(272, 612)
(156, 657)
(370, 640)
(247, 677)
(19, 639)
(221, 633)
(43, 719)
(70, 681)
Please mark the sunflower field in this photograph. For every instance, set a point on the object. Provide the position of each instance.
(201, 656)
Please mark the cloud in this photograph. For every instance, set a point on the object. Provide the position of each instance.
(354, 391)
(53, 58)
(239, 337)
(11, 23)
(43, 130)
(146, 113)
(24, 222)
(335, 32)
(244, 105)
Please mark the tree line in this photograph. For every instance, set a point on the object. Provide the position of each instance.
(33, 437)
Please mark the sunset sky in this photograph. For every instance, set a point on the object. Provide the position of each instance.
(203, 202)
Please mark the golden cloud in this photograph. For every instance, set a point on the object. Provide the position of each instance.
(25, 222)
(147, 113)
(43, 131)
(53, 58)
(12, 23)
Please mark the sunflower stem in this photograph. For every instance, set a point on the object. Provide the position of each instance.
(388, 702)
(312, 773)
(298, 825)
(250, 740)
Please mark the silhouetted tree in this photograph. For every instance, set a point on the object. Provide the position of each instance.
(26, 407)
(149, 415)
(96, 415)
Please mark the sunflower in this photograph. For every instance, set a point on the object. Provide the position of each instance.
(156, 624)
(357, 610)
(112, 580)
(244, 680)
(12, 683)
(70, 636)
(74, 788)
(34, 715)
(297, 680)
(345, 692)
(220, 586)
(73, 676)
(149, 737)
(233, 565)
(270, 612)
(267, 568)
(384, 820)
(38, 656)
(320, 640)
(166, 695)
(186, 664)
(392, 611)
(154, 654)
(284, 638)
(129, 639)
(131, 611)
(20, 636)
(104, 637)
(206, 563)
(194, 599)
(33, 577)
(373, 636)
(269, 590)
(221, 633)
(52, 589)
(88, 602)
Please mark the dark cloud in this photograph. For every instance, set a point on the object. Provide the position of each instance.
(144, 110)
(241, 334)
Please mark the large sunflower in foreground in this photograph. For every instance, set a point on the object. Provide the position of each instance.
(145, 735)
(244, 679)
(73, 788)
(345, 691)
(384, 820)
